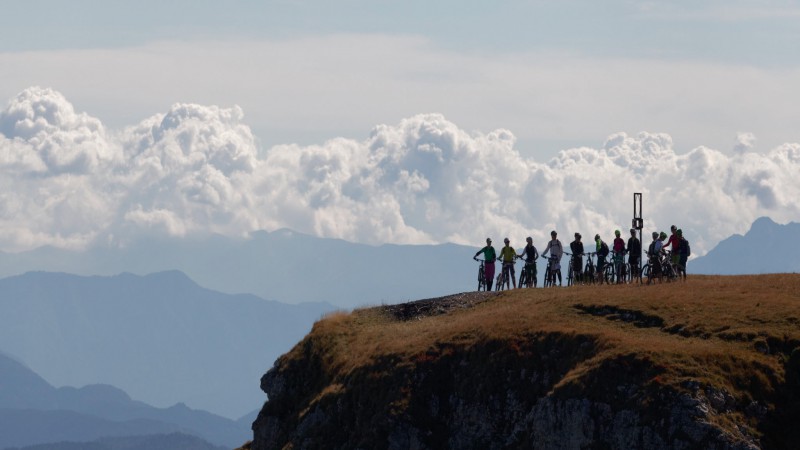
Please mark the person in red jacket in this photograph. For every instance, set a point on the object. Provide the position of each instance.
(675, 241)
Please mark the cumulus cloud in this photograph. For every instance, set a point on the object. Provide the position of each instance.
(744, 142)
(197, 169)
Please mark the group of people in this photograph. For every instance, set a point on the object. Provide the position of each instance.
(679, 247)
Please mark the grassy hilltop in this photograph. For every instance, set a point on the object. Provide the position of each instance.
(713, 362)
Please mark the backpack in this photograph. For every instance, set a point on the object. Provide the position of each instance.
(684, 248)
(603, 249)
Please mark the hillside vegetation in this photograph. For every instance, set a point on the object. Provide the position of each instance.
(711, 363)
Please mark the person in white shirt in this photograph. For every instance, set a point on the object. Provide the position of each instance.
(556, 250)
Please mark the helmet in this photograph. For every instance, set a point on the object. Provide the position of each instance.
(577, 235)
(680, 232)
(655, 234)
(673, 228)
(505, 240)
(633, 230)
(488, 240)
(596, 237)
(616, 232)
(663, 235)
(553, 233)
(529, 239)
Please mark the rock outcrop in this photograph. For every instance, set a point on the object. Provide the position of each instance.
(540, 369)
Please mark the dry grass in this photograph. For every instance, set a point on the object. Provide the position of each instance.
(713, 329)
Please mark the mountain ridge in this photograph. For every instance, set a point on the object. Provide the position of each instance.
(767, 247)
(93, 411)
(127, 329)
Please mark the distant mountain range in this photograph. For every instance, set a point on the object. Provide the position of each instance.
(767, 247)
(171, 441)
(34, 412)
(282, 265)
(161, 337)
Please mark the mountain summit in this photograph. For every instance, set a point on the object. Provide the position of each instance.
(767, 247)
(711, 363)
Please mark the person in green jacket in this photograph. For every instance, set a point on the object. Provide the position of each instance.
(489, 255)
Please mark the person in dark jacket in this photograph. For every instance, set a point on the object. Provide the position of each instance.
(635, 254)
(577, 257)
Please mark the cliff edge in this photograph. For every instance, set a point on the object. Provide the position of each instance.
(712, 363)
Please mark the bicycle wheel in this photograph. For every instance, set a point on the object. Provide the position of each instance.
(588, 274)
(523, 278)
(498, 284)
(623, 275)
(570, 276)
(547, 277)
(608, 274)
(645, 273)
(481, 279)
(669, 272)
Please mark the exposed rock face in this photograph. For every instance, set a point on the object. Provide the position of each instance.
(509, 405)
(547, 388)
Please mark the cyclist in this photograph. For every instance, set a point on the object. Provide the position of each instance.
(602, 252)
(556, 250)
(675, 241)
(619, 252)
(653, 254)
(507, 255)
(684, 251)
(634, 253)
(489, 256)
(577, 257)
(530, 254)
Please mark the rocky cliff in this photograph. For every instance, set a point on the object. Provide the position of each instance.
(712, 363)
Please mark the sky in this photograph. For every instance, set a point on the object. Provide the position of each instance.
(403, 122)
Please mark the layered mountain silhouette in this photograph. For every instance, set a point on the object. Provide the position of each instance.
(171, 441)
(282, 265)
(161, 337)
(34, 412)
(767, 247)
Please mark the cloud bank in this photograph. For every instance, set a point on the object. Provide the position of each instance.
(69, 182)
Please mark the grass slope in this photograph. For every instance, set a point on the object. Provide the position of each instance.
(735, 338)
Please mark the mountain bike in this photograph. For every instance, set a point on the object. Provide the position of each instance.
(573, 276)
(617, 270)
(550, 272)
(651, 270)
(589, 269)
(527, 276)
(503, 276)
(660, 267)
(599, 273)
(668, 269)
(481, 275)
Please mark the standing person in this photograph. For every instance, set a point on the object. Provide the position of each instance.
(507, 255)
(684, 252)
(602, 252)
(531, 255)
(556, 250)
(619, 254)
(653, 256)
(577, 257)
(489, 256)
(675, 241)
(634, 254)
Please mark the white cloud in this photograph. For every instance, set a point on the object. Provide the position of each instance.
(314, 88)
(197, 169)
